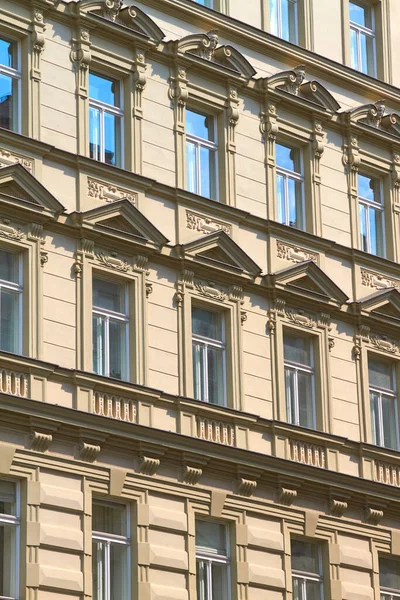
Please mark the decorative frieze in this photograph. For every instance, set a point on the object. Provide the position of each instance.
(10, 158)
(387, 473)
(294, 253)
(114, 407)
(300, 318)
(10, 232)
(39, 442)
(377, 281)
(203, 224)
(109, 192)
(215, 431)
(113, 262)
(246, 487)
(210, 290)
(307, 454)
(384, 344)
(14, 383)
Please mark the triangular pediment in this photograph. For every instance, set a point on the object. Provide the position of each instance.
(293, 82)
(384, 304)
(205, 46)
(218, 250)
(121, 220)
(19, 189)
(308, 280)
(130, 17)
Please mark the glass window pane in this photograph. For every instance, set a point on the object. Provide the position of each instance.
(389, 574)
(9, 321)
(198, 371)
(219, 581)
(201, 126)
(288, 20)
(305, 557)
(8, 54)
(109, 518)
(280, 192)
(295, 203)
(364, 67)
(215, 371)
(7, 561)
(363, 228)
(108, 295)
(99, 570)
(206, 323)
(313, 590)
(354, 49)
(305, 393)
(368, 188)
(292, 18)
(112, 139)
(288, 158)
(104, 89)
(8, 498)
(290, 382)
(358, 14)
(297, 349)
(117, 349)
(376, 232)
(191, 168)
(208, 172)
(9, 266)
(273, 15)
(118, 572)
(201, 580)
(380, 374)
(212, 536)
(99, 344)
(370, 55)
(94, 133)
(375, 428)
(298, 589)
(389, 422)
(8, 96)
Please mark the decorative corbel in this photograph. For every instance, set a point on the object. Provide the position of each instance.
(39, 442)
(352, 160)
(269, 128)
(395, 170)
(232, 117)
(88, 452)
(318, 147)
(373, 516)
(246, 487)
(138, 83)
(148, 465)
(178, 93)
(191, 475)
(38, 41)
(80, 56)
(44, 257)
(337, 507)
(287, 495)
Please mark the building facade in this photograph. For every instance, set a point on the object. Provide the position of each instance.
(199, 300)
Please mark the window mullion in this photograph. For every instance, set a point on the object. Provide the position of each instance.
(205, 363)
(296, 398)
(107, 572)
(209, 581)
(106, 346)
(380, 413)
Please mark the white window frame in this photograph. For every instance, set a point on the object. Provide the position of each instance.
(377, 206)
(104, 107)
(360, 30)
(209, 557)
(14, 521)
(112, 539)
(204, 343)
(295, 368)
(299, 177)
(16, 288)
(199, 142)
(16, 75)
(392, 394)
(110, 315)
(304, 576)
(279, 20)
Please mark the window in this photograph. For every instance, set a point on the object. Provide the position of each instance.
(371, 212)
(208, 3)
(201, 154)
(105, 119)
(362, 38)
(289, 186)
(9, 522)
(10, 301)
(383, 402)
(299, 380)
(212, 561)
(389, 579)
(110, 554)
(10, 77)
(306, 571)
(283, 19)
(110, 329)
(208, 356)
